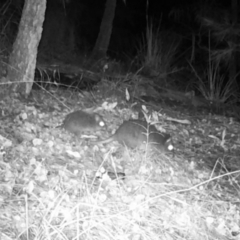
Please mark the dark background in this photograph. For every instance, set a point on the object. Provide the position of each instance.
(131, 18)
(71, 29)
(177, 17)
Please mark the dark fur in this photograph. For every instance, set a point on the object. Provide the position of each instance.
(80, 121)
(137, 133)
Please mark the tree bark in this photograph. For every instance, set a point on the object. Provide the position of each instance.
(22, 60)
(102, 43)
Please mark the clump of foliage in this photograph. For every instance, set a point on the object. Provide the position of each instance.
(155, 53)
(215, 87)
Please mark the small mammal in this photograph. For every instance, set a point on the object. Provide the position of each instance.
(80, 121)
(138, 133)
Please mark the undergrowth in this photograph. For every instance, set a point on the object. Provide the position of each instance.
(215, 87)
(156, 54)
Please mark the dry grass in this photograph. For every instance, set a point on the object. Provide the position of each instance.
(135, 209)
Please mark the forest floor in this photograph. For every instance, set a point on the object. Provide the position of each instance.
(54, 186)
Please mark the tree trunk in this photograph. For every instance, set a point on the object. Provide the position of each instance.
(102, 43)
(22, 60)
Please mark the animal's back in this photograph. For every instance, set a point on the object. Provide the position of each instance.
(137, 133)
(80, 121)
(131, 133)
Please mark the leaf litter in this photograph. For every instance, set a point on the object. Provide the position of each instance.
(54, 186)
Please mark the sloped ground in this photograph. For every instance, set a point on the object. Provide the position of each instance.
(54, 186)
